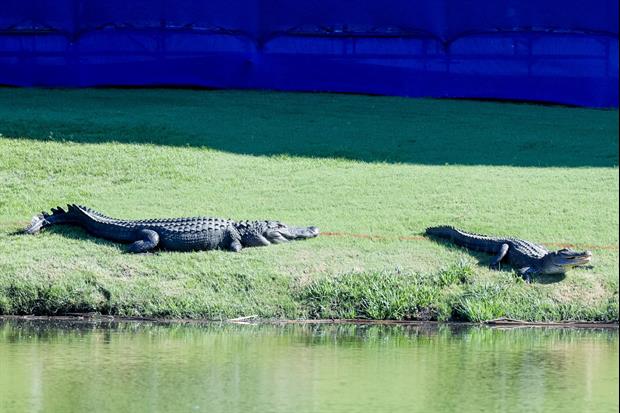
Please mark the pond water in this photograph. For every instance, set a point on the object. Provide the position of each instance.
(151, 367)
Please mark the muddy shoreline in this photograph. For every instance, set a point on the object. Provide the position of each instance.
(501, 322)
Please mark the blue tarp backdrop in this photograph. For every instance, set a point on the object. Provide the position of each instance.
(563, 51)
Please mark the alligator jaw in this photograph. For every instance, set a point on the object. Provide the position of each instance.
(570, 258)
(301, 233)
(559, 262)
(583, 259)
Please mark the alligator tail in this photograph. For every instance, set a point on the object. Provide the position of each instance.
(474, 242)
(58, 216)
(443, 231)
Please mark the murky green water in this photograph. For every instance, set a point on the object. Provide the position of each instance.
(143, 367)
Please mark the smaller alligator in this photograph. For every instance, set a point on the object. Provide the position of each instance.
(528, 258)
(178, 234)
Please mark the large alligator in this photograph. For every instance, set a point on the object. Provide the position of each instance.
(179, 234)
(528, 258)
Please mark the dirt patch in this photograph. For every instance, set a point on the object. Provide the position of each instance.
(423, 238)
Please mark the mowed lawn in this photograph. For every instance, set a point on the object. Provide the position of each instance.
(371, 172)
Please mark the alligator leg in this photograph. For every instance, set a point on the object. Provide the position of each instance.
(235, 246)
(275, 237)
(495, 264)
(254, 240)
(526, 273)
(148, 239)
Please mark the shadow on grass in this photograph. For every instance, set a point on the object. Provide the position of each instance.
(80, 234)
(549, 279)
(77, 234)
(356, 127)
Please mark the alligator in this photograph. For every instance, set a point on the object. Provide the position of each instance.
(527, 257)
(177, 234)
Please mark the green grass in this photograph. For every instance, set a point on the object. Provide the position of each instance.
(381, 167)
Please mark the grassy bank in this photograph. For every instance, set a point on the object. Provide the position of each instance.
(372, 172)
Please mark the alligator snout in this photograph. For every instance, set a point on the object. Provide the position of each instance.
(306, 232)
(586, 257)
(314, 231)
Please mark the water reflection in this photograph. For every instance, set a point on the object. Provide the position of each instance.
(108, 366)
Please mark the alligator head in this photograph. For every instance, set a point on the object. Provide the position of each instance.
(558, 262)
(275, 231)
(260, 233)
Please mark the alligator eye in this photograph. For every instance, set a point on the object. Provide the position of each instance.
(571, 258)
